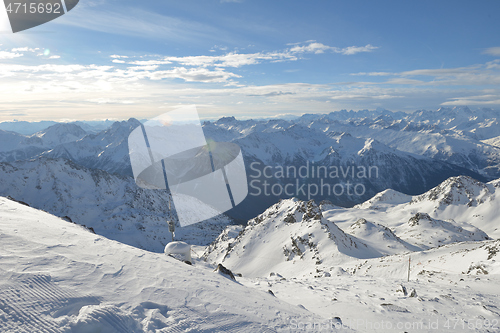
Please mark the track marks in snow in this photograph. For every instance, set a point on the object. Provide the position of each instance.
(33, 303)
(27, 304)
(192, 320)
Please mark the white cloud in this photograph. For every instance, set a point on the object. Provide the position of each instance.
(9, 55)
(494, 51)
(475, 75)
(315, 47)
(230, 59)
(402, 80)
(54, 57)
(150, 62)
(495, 64)
(312, 48)
(357, 49)
(110, 101)
(147, 83)
(472, 101)
(112, 74)
(25, 49)
(235, 60)
(193, 75)
(372, 74)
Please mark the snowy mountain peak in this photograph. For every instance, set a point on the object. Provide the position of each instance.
(291, 237)
(415, 220)
(374, 146)
(291, 211)
(378, 236)
(456, 190)
(462, 109)
(120, 127)
(327, 205)
(60, 133)
(385, 198)
(225, 120)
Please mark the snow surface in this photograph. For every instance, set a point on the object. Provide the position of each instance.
(59, 277)
(451, 287)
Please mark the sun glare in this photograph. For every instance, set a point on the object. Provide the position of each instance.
(4, 20)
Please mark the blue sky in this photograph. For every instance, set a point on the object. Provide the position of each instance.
(120, 59)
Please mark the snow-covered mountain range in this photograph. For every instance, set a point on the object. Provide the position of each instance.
(393, 258)
(454, 135)
(292, 235)
(412, 152)
(301, 238)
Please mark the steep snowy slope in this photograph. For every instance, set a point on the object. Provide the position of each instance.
(58, 277)
(452, 147)
(50, 137)
(21, 154)
(380, 237)
(493, 141)
(479, 123)
(426, 232)
(291, 238)
(451, 287)
(112, 205)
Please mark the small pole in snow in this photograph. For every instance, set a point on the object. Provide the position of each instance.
(409, 262)
(171, 223)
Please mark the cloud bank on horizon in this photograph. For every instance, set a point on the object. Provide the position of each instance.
(110, 59)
